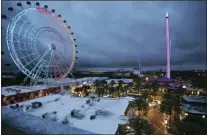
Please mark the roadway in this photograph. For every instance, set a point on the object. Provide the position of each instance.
(156, 119)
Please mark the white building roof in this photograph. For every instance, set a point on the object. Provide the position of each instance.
(101, 125)
(34, 125)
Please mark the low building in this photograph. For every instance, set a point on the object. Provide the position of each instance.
(24, 124)
(194, 91)
(16, 94)
(162, 81)
(194, 105)
(109, 112)
(117, 80)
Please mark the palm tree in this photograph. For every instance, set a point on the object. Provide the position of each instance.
(97, 85)
(112, 83)
(139, 126)
(104, 86)
(169, 104)
(126, 88)
(155, 87)
(99, 91)
(120, 86)
(111, 88)
(139, 104)
(131, 84)
(145, 95)
(77, 90)
(137, 83)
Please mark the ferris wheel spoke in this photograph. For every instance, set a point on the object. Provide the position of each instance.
(63, 59)
(20, 30)
(27, 56)
(34, 25)
(53, 70)
(34, 59)
(48, 69)
(60, 68)
(57, 67)
(66, 66)
(21, 37)
(39, 62)
(37, 70)
(22, 42)
(29, 35)
(22, 50)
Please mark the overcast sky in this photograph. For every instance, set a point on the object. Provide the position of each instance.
(113, 34)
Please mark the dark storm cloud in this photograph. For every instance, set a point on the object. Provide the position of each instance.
(113, 34)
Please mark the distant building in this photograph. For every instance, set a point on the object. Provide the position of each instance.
(123, 73)
(117, 80)
(194, 105)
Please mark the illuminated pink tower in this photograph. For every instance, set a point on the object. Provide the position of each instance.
(168, 45)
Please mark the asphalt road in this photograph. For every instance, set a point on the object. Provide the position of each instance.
(156, 119)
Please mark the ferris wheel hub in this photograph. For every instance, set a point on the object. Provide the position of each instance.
(52, 47)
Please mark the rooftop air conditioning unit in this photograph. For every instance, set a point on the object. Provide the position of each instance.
(92, 117)
(18, 91)
(77, 114)
(88, 101)
(98, 112)
(13, 90)
(15, 107)
(36, 104)
(51, 116)
(65, 121)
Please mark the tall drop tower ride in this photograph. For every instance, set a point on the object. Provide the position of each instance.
(168, 45)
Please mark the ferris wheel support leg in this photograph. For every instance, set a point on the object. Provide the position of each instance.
(24, 81)
(33, 82)
(72, 76)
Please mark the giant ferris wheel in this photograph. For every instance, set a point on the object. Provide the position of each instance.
(40, 42)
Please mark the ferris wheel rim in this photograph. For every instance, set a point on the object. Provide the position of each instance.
(13, 53)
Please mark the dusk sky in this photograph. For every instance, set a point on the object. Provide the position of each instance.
(114, 34)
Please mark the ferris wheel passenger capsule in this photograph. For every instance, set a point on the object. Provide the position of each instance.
(19, 4)
(28, 3)
(46, 7)
(10, 9)
(37, 4)
(4, 17)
